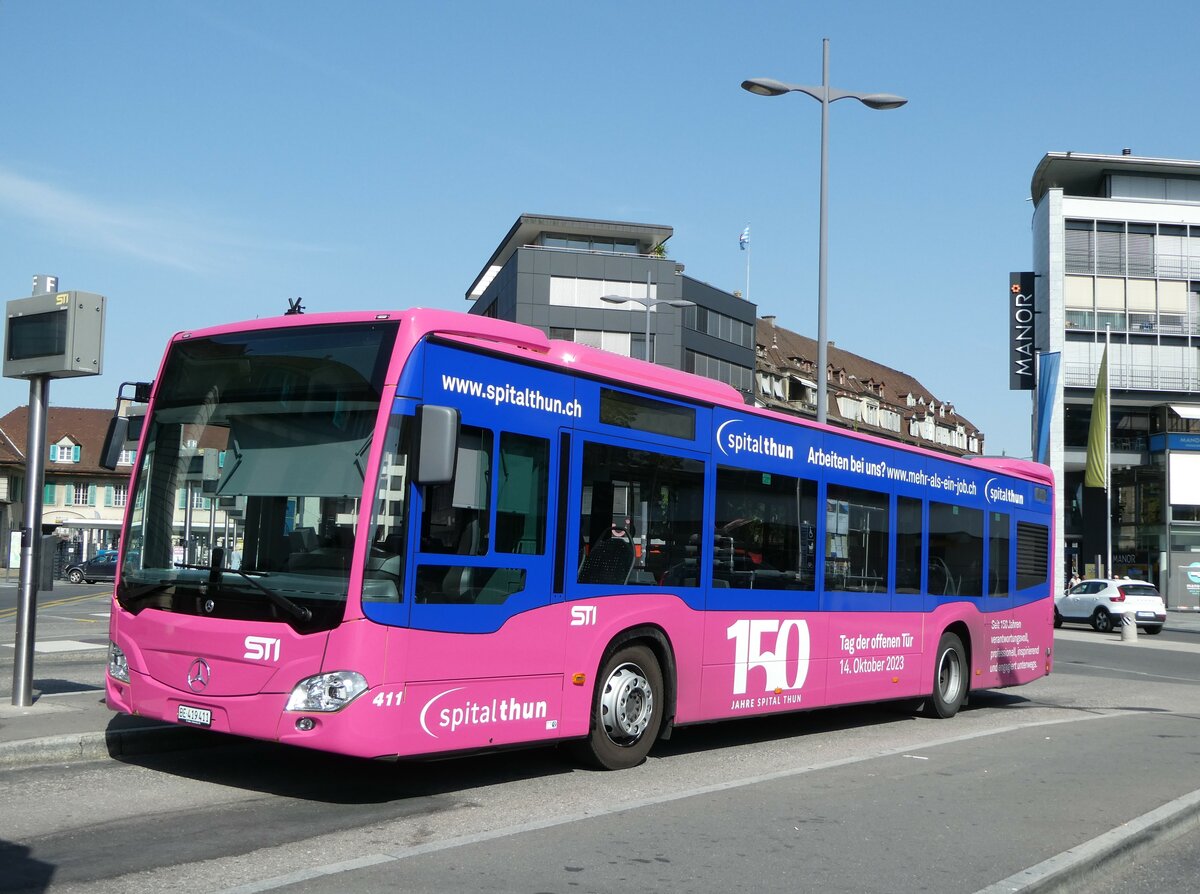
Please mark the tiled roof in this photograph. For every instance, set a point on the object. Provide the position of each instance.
(84, 426)
(789, 353)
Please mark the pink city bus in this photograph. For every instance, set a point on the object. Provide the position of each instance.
(414, 533)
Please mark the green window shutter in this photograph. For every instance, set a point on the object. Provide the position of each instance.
(108, 497)
(76, 452)
(53, 453)
(91, 495)
(48, 494)
(181, 499)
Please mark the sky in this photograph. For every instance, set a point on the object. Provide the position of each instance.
(205, 162)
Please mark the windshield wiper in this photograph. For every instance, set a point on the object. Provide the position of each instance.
(214, 575)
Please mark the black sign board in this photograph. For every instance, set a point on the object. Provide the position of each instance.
(1022, 374)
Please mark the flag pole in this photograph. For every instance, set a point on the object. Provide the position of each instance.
(744, 245)
(1108, 452)
(748, 250)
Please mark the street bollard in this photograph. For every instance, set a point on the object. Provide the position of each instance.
(1128, 628)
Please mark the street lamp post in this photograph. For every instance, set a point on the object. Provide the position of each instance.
(824, 94)
(647, 303)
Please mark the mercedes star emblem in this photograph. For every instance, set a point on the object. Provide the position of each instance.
(198, 675)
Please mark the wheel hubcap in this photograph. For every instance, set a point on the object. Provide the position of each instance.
(626, 704)
(949, 676)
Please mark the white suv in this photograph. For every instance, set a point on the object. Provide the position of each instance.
(1104, 603)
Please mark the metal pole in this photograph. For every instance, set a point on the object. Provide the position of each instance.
(648, 303)
(822, 259)
(1108, 448)
(31, 541)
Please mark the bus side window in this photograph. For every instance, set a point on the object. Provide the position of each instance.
(765, 529)
(522, 494)
(641, 518)
(955, 550)
(456, 515)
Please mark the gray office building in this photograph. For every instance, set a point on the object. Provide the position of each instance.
(1116, 249)
(555, 273)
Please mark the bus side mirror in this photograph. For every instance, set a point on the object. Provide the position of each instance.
(114, 442)
(126, 422)
(437, 451)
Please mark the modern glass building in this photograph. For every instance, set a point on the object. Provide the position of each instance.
(555, 272)
(1116, 255)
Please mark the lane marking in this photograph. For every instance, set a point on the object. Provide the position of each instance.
(60, 645)
(1164, 824)
(330, 869)
(7, 613)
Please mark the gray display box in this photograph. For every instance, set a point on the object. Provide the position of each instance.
(57, 335)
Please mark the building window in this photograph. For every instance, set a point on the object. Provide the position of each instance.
(586, 243)
(719, 325)
(120, 493)
(1080, 246)
(569, 291)
(126, 458)
(739, 377)
(79, 495)
(64, 453)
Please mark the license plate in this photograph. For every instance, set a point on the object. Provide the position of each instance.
(1149, 616)
(195, 716)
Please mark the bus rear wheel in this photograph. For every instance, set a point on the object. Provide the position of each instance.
(949, 678)
(627, 710)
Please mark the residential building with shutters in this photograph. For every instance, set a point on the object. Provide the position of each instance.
(864, 395)
(81, 502)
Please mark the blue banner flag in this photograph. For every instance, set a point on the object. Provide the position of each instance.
(1047, 387)
(744, 239)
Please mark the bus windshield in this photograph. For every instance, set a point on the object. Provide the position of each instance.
(250, 478)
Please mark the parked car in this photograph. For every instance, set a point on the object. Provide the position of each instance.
(1104, 604)
(102, 567)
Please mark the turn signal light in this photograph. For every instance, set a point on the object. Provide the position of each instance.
(578, 679)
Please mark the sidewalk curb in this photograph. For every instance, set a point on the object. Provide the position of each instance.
(105, 745)
(1073, 870)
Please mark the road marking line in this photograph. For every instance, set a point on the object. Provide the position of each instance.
(330, 869)
(1161, 825)
(61, 645)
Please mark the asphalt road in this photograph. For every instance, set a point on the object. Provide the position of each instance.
(864, 799)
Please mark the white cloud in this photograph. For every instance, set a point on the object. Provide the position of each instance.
(168, 238)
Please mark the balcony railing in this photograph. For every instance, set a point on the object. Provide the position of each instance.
(1134, 322)
(1133, 378)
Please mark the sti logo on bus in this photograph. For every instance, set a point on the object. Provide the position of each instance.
(261, 648)
(785, 662)
(583, 615)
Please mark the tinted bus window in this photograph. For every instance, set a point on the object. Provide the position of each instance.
(856, 539)
(641, 518)
(1033, 552)
(955, 550)
(766, 531)
(522, 494)
(456, 514)
(646, 414)
(383, 579)
(908, 545)
(998, 554)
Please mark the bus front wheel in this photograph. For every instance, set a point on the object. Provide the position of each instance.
(949, 678)
(627, 710)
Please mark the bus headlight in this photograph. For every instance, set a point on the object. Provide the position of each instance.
(118, 664)
(327, 692)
